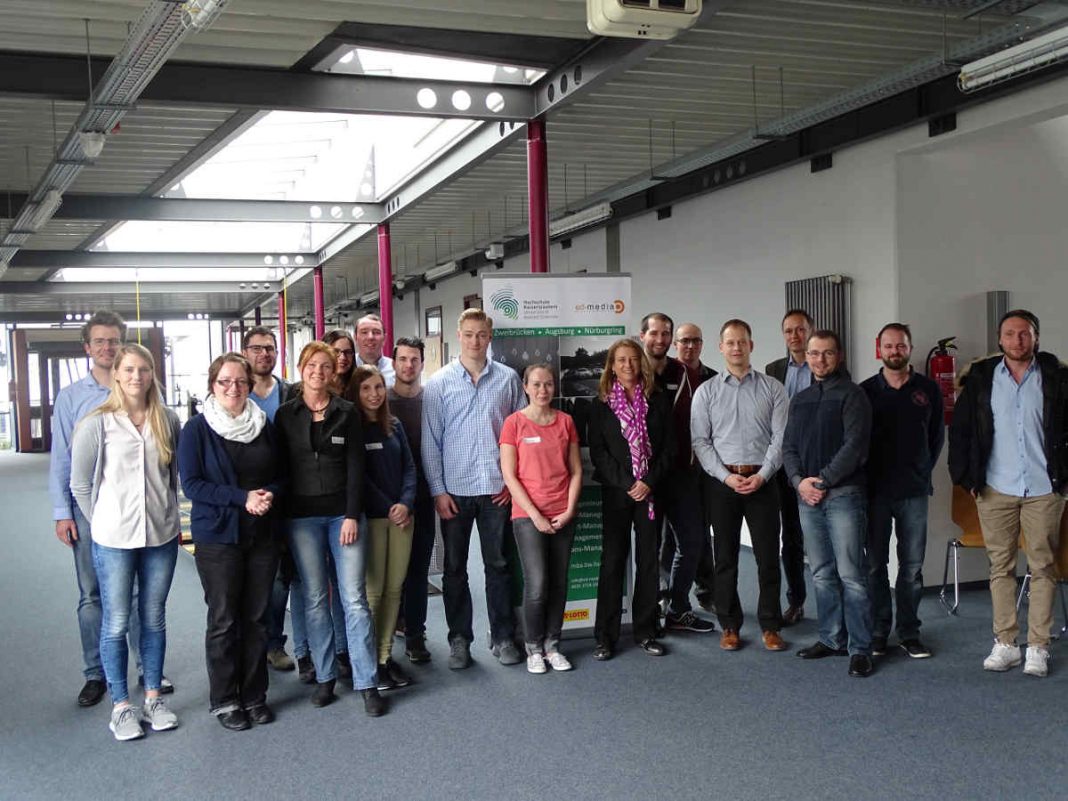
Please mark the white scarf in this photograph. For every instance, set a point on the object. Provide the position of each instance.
(243, 428)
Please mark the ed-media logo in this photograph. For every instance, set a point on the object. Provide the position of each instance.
(504, 301)
(616, 306)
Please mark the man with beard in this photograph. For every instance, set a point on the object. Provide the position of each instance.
(260, 348)
(1007, 448)
(906, 438)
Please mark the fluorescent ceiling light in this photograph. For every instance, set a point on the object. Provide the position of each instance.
(581, 219)
(1034, 54)
(369, 298)
(442, 270)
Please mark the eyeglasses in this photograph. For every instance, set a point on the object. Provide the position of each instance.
(258, 349)
(226, 383)
(689, 342)
(99, 342)
(817, 354)
(345, 352)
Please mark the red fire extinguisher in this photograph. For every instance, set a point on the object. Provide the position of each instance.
(942, 369)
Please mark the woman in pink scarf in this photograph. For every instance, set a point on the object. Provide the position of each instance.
(632, 447)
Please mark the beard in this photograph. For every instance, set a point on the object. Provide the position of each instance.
(896, 362)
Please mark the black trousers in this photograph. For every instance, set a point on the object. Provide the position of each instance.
(761, 512)
(237, 581)
(619, 513)
(686, 540)
(414, 597)
(793, 543)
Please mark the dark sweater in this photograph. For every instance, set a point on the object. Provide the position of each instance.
(390, 469)
(828, 434)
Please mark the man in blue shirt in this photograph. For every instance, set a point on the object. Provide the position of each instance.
(261, 349)
(370, 341)
(102, 336)
(1007, 448)
(464, 406)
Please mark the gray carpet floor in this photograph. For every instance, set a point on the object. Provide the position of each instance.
(697, 724)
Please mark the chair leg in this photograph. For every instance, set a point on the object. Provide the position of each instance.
(1064, 612)
(952, 550)
(1025, 587)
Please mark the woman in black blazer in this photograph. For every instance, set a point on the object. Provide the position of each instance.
(632, 446)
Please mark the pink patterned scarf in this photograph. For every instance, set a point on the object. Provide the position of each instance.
(632, 421)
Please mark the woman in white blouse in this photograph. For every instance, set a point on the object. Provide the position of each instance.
(124, 478)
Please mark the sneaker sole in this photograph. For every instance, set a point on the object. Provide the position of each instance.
(124, 738)
(168, 727)
(1002, 668)
(1035, 673)
(917, 656)
(421, 660)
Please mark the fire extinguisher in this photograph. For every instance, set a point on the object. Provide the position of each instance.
(942, 369)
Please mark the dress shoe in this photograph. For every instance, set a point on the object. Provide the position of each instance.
(773, 641)
(324, 694)
(373, 703)
(860, 665)
(793, 614)
(602, 652)
(416, 650)
(652, 647)
(306, 670)
(878, 646)
(819, 651)
(92, 692)
(729, 640)
(234, 720)
(260, 714)
(344, 666)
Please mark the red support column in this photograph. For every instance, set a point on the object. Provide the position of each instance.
(282, 333)
(385, 286)
(538, 195)
(320, 305)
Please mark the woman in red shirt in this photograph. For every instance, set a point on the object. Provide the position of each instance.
(543, 470)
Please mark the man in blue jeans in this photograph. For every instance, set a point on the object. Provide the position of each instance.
(906, 437)
(464, 406)
(102, 335)
(824, 451)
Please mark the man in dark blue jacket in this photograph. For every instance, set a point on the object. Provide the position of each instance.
(824, 452)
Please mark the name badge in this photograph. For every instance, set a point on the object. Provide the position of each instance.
(373, 446)
(672, 386)
(337, 440)
(531, 440)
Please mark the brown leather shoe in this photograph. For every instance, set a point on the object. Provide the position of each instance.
(792, 615)
(773, 642)
(729, 640)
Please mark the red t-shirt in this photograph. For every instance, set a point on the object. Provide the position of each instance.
(541, 460)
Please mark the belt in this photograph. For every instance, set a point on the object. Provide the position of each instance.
(743, 469)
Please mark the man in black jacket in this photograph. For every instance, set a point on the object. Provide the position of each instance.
(824, 452)
(1007, 447)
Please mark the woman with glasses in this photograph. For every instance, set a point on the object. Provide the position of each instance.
(124, 479)
(345, 348)
(228, 461)
(323, 448)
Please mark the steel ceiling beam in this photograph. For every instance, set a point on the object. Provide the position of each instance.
(55, 259)
(128, 311)
(129, 288)
(138, 207)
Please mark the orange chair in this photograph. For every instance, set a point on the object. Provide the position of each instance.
(966, 515)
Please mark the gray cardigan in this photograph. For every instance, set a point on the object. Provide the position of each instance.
(87, 468)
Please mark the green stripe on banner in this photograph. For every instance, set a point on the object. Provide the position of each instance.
(566, 331)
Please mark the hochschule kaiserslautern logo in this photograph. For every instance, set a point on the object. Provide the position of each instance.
(504, 301)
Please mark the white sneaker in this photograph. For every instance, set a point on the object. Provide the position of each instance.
(1037, 662)
(557, 661)
(1002, 657)
(536, 663)
(124, 723)
(156, 714)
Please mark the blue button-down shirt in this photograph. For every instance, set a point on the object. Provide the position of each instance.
(798, 377)
(385, 367)
(72, 404)
(1017, 464)
(462, 423)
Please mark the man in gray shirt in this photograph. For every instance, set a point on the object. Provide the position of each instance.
(737, 422)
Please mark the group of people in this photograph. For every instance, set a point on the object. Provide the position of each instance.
(325, 493)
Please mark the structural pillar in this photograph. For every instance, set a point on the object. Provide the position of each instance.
(282, 333)
(318, 301)
(385, 286)
(258, 316)
(538, 195)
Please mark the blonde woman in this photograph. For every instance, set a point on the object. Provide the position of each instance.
(124, 478)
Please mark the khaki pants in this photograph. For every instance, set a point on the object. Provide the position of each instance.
(1002, 518)
(388, 553)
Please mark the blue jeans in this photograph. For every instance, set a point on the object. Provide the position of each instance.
(908, 517)
(313, 541)
(492, 525)
(116, 569)
(835, 533)
(89, 612)
(290, 589)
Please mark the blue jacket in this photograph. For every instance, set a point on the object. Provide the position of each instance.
(210, 482)
(390, 469)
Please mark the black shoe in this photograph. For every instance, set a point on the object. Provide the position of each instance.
(688, 621)
(416, 651)
(400, 678)
(793, 614)
(306, 670)
(344, 666)
(914, 648)
(819, 651)
(373, 703)
(860, 666)
(384, 679)
(878, 646)
(324, 694)
(602, 652)
(707, 601)
(92, 692)
(652, 647)
(234, 720)
(166, 686)
(260, 714)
